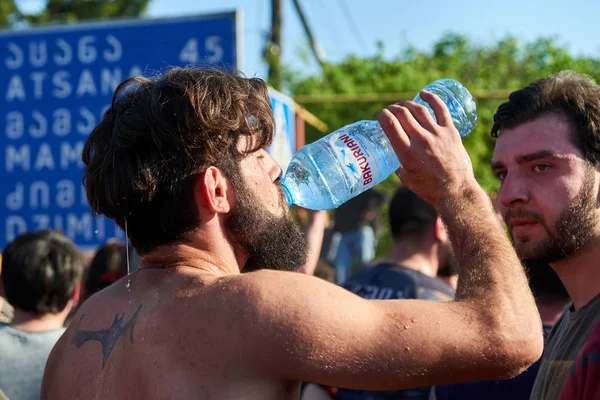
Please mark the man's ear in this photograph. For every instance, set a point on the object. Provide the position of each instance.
(212, 190)
(76, 292)
(441, 233)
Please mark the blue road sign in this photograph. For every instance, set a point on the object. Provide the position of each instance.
(55, 84)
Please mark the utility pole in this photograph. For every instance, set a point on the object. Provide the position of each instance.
(316, 48)
(273, 50)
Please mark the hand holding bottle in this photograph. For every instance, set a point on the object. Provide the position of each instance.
(434, 162)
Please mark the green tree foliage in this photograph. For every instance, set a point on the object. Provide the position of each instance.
(57, 11)
(505, 65)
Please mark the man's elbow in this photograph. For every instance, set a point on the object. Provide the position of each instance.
(517, 349)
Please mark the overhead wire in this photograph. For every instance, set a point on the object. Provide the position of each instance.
(352, 24)
(329, 22)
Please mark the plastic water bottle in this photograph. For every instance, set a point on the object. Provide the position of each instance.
(327, 173)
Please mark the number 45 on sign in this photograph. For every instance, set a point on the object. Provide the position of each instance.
(213, 51)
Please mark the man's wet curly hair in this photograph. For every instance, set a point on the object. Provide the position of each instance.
(160, 133)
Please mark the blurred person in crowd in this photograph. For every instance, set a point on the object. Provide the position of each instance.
(547, 157)
(583, 382)
(354, 232)
(448, 273)
(41, 273)
(6, 310)
(421, 245)
(551, 298)
(108, 266)
(180, 161)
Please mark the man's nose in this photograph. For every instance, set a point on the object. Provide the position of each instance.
(278, 172)
(275, 171)
(514, 189)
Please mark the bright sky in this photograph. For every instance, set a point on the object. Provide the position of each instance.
(397, 23)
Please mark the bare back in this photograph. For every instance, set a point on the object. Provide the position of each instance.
(166, 337)
(181, 333)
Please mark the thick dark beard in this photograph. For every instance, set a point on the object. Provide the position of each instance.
(574, 229)
(271, 242)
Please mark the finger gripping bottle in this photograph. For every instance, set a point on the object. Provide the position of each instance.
(332, 170)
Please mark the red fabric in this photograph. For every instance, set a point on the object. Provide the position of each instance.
(583, 382)
(112, 277)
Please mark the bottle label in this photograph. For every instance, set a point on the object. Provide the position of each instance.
(359, 162)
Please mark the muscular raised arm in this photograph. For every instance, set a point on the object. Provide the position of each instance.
(298, 327)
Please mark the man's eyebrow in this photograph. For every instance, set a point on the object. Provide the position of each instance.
(529, 157)
(537, 155)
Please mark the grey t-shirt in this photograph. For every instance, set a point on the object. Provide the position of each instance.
(23, 356)
(566, 339)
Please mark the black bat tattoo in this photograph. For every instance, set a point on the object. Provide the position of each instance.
(107, 337)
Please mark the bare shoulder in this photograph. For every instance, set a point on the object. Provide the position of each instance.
(270, 279)
(266, 278)
(292, 301)
(261, 288)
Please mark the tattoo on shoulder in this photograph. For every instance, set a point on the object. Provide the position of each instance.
(107, 337)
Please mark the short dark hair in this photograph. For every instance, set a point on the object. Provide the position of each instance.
(409, 215)
(108, 265)
(40, 270)
(142, 159)
(569, 94)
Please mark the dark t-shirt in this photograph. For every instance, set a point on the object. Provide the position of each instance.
(390, 281)
(517, 388)
(583, 381)
(564, 344)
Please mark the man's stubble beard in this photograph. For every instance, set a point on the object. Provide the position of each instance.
(574, 229)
